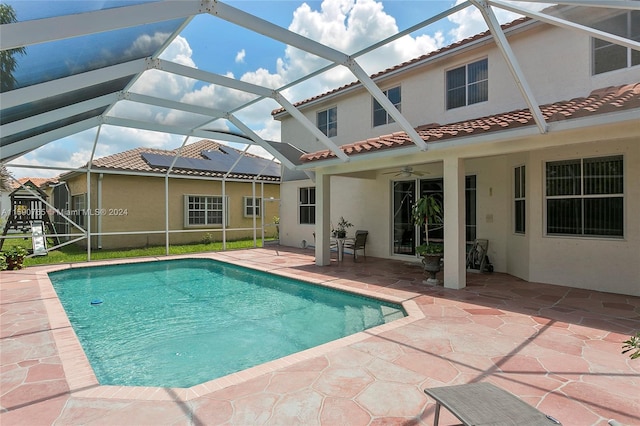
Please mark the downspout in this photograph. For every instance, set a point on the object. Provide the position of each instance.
(99, 196)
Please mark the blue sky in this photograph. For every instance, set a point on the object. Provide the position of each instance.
(214, 45)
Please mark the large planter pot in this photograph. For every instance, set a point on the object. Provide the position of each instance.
(431, 264)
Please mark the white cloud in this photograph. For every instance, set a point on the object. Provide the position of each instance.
(240, 56)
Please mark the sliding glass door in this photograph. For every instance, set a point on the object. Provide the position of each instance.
(405, 235)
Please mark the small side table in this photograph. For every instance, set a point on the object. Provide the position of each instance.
(485, 404)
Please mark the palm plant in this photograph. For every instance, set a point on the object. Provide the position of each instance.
(633, 344)
(426, 211)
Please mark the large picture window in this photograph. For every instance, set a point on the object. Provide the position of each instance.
(328, 121)
(307, 206)
(585, 197)
(519, 200)
(203, 210)
(468, 84)
(380, 115)
(608, 56)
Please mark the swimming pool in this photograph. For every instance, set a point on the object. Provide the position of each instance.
(178, 323)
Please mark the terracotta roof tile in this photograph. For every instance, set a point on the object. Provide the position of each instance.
(133, 160)
(39, 182)
(600, 101)
(407, 63)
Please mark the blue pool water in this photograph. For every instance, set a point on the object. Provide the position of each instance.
(178, 323)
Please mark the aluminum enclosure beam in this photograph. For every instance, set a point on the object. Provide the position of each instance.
(209, 77)
(255, 89)
(67, 84)
(57, 114)
(16, 149)
(44, 30)
(610, 4)
(622, 41)
(290, 38)
(512, 62)
(391, 109)
(177, 130)
(321, 137)
(259, 141)
(166, 103)
(266, 28)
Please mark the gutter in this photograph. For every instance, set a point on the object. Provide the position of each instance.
(99, 196)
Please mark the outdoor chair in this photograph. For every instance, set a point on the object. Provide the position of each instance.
(485, 404)
(357, 243)
(333, 244)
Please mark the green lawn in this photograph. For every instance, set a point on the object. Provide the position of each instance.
(73, 253)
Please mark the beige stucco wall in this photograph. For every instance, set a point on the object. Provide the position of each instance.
(608, 264)
(556, 63)
(135, 203)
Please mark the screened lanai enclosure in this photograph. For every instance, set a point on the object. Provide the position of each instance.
(136, 136)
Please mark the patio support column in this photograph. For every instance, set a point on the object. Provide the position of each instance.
(454, 223)
(323, 219)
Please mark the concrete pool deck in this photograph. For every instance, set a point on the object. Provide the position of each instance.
(555, 347)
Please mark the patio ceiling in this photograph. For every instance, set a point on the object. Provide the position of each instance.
(53, 101)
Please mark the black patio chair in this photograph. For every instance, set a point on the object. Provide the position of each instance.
(357, 243)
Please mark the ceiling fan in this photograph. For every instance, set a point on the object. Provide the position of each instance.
(406, 171)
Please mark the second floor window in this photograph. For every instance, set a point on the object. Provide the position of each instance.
(608, 56)
(307, 206)
(328, 121)
(380, 115)
(585, 197)
(468, 84)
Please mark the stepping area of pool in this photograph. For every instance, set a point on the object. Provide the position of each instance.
(556, 348)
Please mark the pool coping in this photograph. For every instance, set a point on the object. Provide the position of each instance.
(83, 383)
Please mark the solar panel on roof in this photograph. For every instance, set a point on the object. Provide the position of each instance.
(216, 161)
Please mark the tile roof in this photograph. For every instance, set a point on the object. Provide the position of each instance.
(456, 45)
(600, 101)
(39, 182)
(133, 160)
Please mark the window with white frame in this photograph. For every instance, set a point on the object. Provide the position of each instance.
(203, 210)
(519, 200)
(608, 56)
(307, 206)
(380, 115)
(78, 208)
(468, 84)
(585, 197)
(327, 121)
(251, 206)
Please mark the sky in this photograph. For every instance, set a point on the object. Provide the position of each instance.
(214, 45)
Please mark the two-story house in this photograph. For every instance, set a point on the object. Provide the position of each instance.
(547, 167)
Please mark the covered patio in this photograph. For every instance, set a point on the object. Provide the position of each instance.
(557, 348)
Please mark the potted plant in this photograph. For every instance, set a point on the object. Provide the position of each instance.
(341, 229)
(15, 257)
(428, 210)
